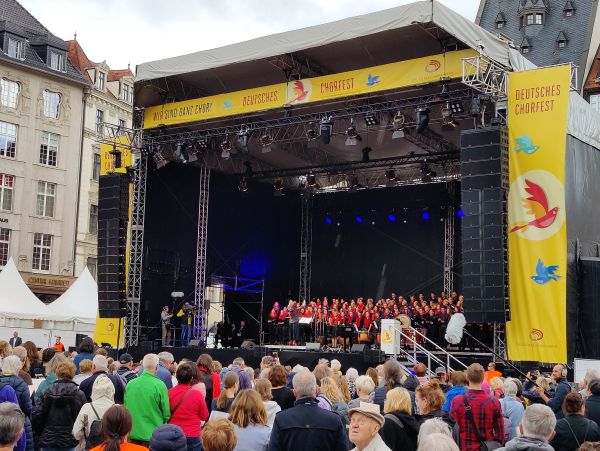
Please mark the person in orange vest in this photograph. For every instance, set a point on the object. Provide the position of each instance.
(491, 372)
(58, 345)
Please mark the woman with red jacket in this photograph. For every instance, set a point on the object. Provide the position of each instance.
(209, 377)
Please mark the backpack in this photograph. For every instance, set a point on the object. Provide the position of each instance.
(94, 438)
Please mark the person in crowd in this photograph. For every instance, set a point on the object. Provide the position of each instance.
(85, 371)
(188, 406)
(306, 425)
(115, 429)
(458, 380)
(392, 376)
(103, 398)
(99, 368)
(219, 435)
(590, 446)
(365, 423)
(559, 376)
(85, 351)
(36, 369)
(400, 429)
(10, 369)
(364, 390)
(430, 399)
(511, 409)
(231, 385)
(21, 353)
(592, 402)
(12, 426)
(322, 371)
(442, 377)
(51, 359)
(165, 359)
(168, 437)
(491, 373)
(101, 351)
(336, 369)
(263, 387)
(58, 345)
(282, 395)
(15, 340)
(533, 397)
(147, 400)
(56, 410)
(126, 368)
(165, 322)
(590, 375)
(249, 419)
(433, 426)
(331, 390)
(485, 413)
(351, 376)
(210, 378)
(421, 372)
(574, 428)
(8, 395)
(250, 372)
(497, 387)
(437, 442)
(535, 430)
(372, 373)
(237, 367)
(5, 349)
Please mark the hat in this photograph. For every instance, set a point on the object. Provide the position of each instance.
(125, 358)
(370, 410)
(440, 370)
(168, 437)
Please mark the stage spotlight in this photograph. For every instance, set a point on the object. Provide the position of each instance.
(448, 122)
(326, 129)
(427, 173)
(243, 186)
(358, 219)
(425, 215)
(352, 182)
(181, 152)
(460, 213)
(422, 119)
(159, 160)
(328, 220)
(311, 180)
(390, 175)
(398, 124)
(365, 153)
(243, 138)
(456, 107)
(475, 107)
(278, 186)
(265, 141)
(392, 217)
(226, 149)
(370, 119)
(352, 135)
(311, 134)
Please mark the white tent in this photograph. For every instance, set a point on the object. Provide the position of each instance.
(79, 303)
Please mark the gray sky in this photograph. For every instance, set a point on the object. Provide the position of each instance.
(136, 31)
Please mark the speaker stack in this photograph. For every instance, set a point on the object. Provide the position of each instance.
(484, 189)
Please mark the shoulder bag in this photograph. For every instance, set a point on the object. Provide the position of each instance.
(483, 445)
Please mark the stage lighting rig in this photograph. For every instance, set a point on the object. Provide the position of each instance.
(159, 159)
(448, 122)
(311, 134)
(243, 186)
(266, 141)
(456, 107)
(326, 129)
(226, 149)
(311, 180)
(422, 119)
(398, 124)
(243, 138)
(116, 154)
(371, 119)
(365, 153)
(352, 182)
(390, 177)
(427, 173)
(278, 186)
(181, 152)
(352, 135)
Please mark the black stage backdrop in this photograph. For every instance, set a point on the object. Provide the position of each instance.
(376, 257)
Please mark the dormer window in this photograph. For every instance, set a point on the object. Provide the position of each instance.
(525, 46)
(57, 61)
(125, 94)
(561, 40)
(569, 9)
(500, 21)
(101, 80)
(16, 48)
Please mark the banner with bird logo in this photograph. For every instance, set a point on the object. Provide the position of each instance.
(537, 232)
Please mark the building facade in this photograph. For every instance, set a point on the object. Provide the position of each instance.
(41, 110)
(110, 100)
(591, 88)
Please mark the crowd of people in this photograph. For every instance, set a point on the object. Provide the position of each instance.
(87, 400)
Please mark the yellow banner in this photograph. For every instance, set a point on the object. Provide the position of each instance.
(107, 160)
(357, 82)
(110, 330)
(537, 232)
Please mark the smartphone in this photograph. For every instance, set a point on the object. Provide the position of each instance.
(275, 355)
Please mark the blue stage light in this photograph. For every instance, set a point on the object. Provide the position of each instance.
(392, 217)
(359, 219)
(328, 220)
(460, 213)
(425, 215)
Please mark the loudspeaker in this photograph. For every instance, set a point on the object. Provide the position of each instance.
(195, 344)
(358, 348)
(313, 346)
(248, 344)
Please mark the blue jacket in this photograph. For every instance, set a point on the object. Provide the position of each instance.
(22, 392)
(512, 409)
(8, 394)
(451, 394)
(163, 374)
(562, 390)
(592, 408)
(308, 427)
(82, 356)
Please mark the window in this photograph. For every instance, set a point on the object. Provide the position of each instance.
(539, 18)
(16, 48)
(4, 246)
(8, 139)
(529, 19)
(6, 191)
(9, 93)
(569, 12)
(101, 80)
(125, 95)
(99, 120)
(42, 247)
(57, 61)
(562, 44)
(96, 167)
(49, 149)
(595, 102)
(46, 196)
(51, 104)
(524, 49)
(93, 227)
(499, 25)
(122, 124)
(92, 266)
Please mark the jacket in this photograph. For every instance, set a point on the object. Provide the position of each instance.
(451, 394)
(82, 356)
(163, 374)
(446, 418)
(244, 378)
(381, 392)
(103, 393)
(272, 409)
(252, 437)
(307, 427)
(526, 444)
(377, 444)
(8, 394)
(400, 438)
(22, 391)
(580, 426)
(512, 409)
(191, 410)
(50, 379)
(212, 383)
(55, 414)
(88, 383)
(147, 400)
(592, 408)
(562, 390)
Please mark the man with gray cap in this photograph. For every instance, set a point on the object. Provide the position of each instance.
(365, 422)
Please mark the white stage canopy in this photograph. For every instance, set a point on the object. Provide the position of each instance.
(80, 302)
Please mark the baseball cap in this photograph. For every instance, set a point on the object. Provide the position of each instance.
(125, 358)
(370, 410)
(440, 370)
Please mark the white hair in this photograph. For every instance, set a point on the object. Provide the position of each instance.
(166, 357)
(250, 372)
(433, 426)
(100, 362)
(238, 361)
(297, 368)
(437, 442)
(351, 374)
(20, 352)
(11, 365)
(150, 362)
(510, 388)
(590, 375)
(538, 422)
(365, 384)
(305, 384)
(335, 365)
(323, 362)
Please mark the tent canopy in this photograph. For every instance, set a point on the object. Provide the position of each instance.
(80, 301)
(17, 300)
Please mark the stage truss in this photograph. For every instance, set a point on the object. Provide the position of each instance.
(306, 247)
(200, 318)
(449, 241)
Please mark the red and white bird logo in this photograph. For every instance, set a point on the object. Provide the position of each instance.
(300, 92)
(537, 206)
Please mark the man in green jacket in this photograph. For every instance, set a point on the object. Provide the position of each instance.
(147, 400)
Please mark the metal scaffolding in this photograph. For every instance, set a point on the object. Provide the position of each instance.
(200, 318)
(136, 252)
(449, 241)
(305, 247)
